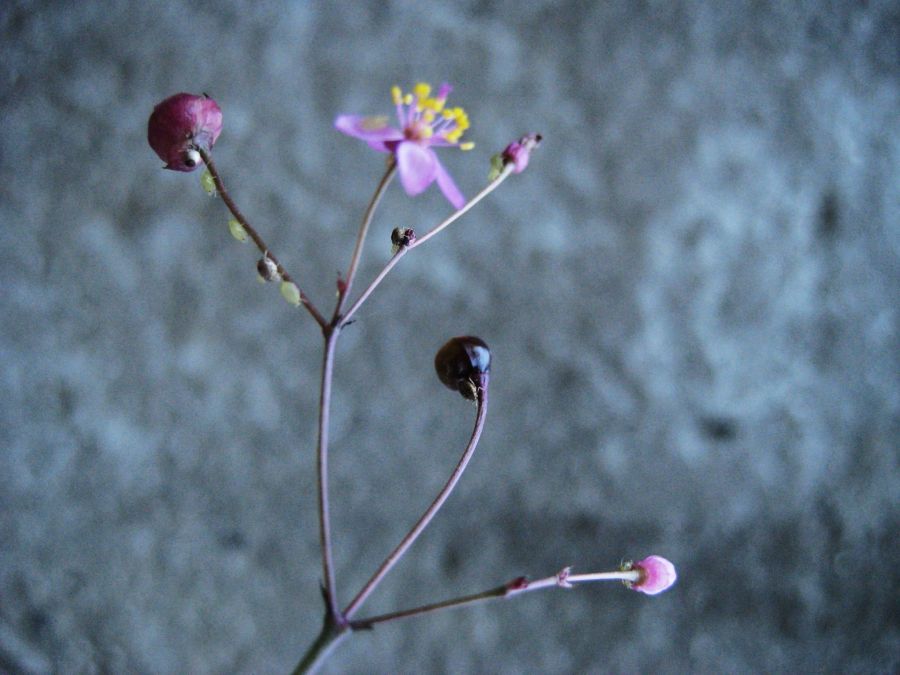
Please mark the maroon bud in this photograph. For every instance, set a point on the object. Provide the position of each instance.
(463, 364)
(181, 125)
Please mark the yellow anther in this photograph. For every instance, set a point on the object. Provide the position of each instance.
(453, 136)
(397, 95)
(426, 132)
(422, 90)
(408, 99)
(468, 145)
(428, 116)
(447, 114)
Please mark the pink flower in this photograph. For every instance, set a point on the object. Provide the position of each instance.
(424, 123)
(180, 125)
(656, 575)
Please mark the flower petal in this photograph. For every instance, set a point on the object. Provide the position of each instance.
(448, 187)
(374, 130)
(417, 167)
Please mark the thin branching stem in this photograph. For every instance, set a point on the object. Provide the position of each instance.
(431, 511)
(490, 187)
(254, 235)
(361, 236)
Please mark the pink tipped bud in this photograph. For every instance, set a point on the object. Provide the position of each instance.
(182, 124)
(518, 152)
(656, 575)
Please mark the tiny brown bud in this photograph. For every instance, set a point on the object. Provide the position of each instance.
(267, 269)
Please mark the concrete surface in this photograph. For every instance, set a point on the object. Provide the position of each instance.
(691, 297)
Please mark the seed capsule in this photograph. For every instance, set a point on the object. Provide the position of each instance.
(180, 125)
(463, 364)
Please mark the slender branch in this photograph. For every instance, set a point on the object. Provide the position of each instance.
(331, 336)
(254, 235)
(363, 230)
(473, 599)
(490, 187)
(514, 588)
(422, 523)
(372, 286)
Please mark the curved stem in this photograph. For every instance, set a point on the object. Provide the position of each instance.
(331, 336)
(363, 230)
(254, 235)
(422, 523)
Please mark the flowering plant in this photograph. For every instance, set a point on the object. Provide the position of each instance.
(182, 131)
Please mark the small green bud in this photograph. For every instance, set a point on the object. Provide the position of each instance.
(290, 292)
(237, 230)
(496, 167)
(206, 180)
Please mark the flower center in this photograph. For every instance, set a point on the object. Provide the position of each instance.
(426, 119)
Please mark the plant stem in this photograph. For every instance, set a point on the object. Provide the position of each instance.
(485, 191)
(422, 523)
(328, 639)
(490, 187)
(254, 235)
(514, 588)
(363, 230)
(331, 335)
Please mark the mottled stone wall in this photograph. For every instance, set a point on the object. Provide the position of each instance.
(691, 297)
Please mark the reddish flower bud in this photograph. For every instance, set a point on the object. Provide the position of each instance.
(182, 124)
(518, 152)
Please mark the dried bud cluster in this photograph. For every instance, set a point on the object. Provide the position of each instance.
(401, 238)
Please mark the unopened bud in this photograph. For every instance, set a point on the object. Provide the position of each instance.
(290, 292)
(401, 238)
(237, 230)
(267, 269)
(518, 152)
(206, 180)
(656, 574)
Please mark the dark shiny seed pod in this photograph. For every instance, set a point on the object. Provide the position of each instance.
(463, 364)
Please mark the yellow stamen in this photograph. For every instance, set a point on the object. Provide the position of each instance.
(408, 99)
(397, 95)
(468, 145)
(428, 116)
(422, 90)
(447, 114)
(426, 132)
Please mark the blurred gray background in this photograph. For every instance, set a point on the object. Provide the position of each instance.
(691, 297)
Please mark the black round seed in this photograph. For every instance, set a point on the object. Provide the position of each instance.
(462, 364)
